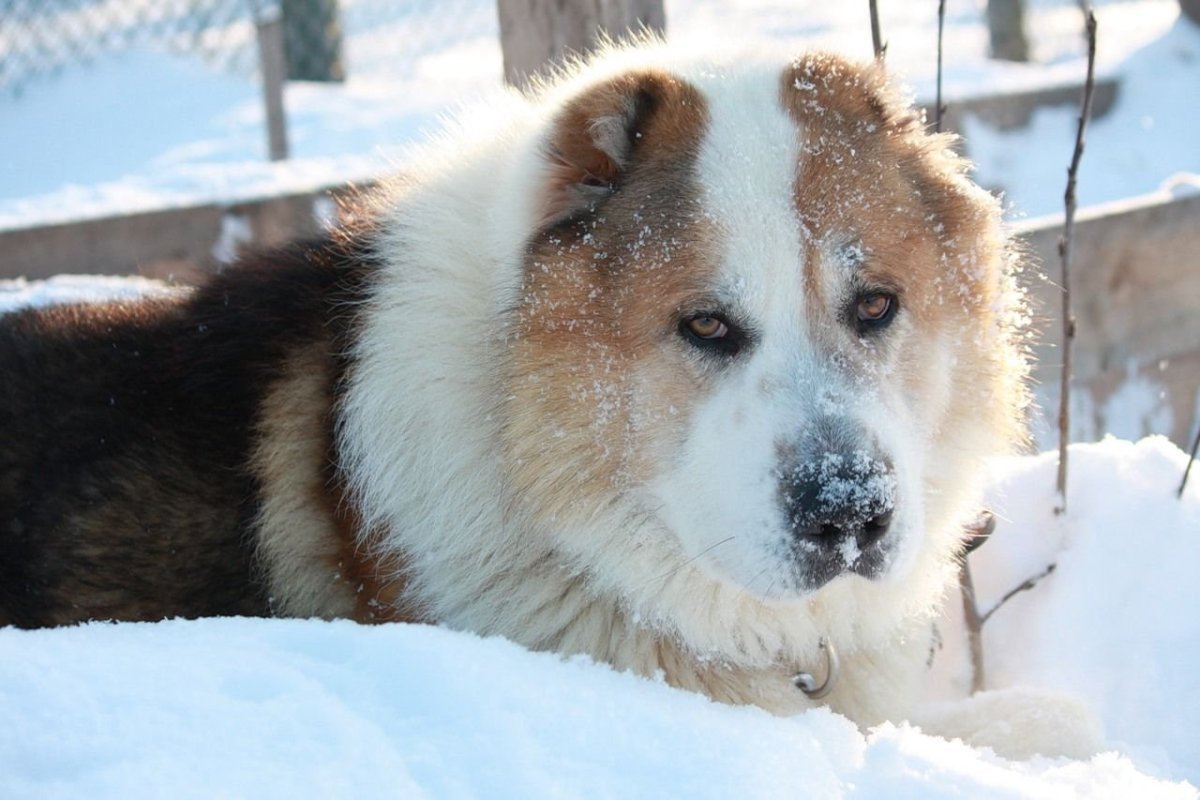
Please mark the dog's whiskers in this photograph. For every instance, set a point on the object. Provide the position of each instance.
(761, 572)
(667, 575)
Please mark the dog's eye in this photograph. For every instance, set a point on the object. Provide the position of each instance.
(874, 310)
(713, 333)
(707, 327)
(592, 182)
(874, 307)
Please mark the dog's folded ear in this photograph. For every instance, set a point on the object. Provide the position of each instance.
(600, 135)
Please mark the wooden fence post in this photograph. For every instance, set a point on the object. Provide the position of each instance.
(274, 69)
(1006, 30)
(312, 40)
(534, 33)
(1191, 10)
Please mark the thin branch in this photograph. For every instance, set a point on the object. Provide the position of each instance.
(987, 522)
(1064, 252)
(1188, 468)
(974, 625)
(876, 37)
(939, 109)
(977, 532)
(1028, 584)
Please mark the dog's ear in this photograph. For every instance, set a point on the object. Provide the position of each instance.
(602, 133)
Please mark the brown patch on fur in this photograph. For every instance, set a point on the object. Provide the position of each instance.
(595, 338)
(378, 577)
(296, 544)
(308, 529)
(598, 136)
(870, 174)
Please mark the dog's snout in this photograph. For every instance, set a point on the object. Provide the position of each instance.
(837, 499)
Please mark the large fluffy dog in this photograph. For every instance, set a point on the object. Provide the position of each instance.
(683, 364)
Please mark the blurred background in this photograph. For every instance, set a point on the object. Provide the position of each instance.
(161, 137)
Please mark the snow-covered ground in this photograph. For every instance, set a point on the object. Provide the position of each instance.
(20, 293)
(297, 709)
(149, 129)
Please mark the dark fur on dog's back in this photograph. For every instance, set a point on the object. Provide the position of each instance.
(126, 429)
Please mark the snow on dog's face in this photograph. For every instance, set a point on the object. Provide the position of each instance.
(759, 309)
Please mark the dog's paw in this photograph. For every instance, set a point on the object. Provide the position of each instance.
(1018, 723)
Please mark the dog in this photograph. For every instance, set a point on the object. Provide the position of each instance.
(687, 363)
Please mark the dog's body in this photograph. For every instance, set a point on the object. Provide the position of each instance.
(684, 365)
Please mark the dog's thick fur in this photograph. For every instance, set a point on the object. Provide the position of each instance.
(486, 405)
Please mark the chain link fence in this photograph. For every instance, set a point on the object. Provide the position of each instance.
(42, 38)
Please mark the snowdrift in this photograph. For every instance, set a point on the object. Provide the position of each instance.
(298, 708)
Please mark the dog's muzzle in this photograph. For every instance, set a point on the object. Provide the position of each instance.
(838, 505)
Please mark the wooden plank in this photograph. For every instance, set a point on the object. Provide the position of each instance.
(1136, 297)
(177, 244)
(535, 33)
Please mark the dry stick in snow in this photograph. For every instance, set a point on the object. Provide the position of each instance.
(939, 109)
(974, 620)
(984, 527)
(1188, 468)
(1064, 252)
(1025, 586)
(876, 36)
(971, 616)
(966, 583)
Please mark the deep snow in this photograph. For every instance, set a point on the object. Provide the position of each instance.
(19, 293)
(290, 708)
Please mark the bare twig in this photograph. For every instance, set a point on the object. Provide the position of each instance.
(1064, 252)
(1188, 468)
(939, 109)
(977, 533)
(876, 36)
(1025, 586)
(975, 621)
(987, 523)
(974, 624)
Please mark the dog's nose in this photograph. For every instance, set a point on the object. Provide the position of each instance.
(842, 525)
(840, 498)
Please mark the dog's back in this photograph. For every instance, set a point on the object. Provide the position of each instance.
(125, 489)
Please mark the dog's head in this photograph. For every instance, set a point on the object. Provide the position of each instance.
(767, 310)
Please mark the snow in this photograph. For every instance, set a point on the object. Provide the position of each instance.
(18, 292)
(1139, 404)
(305, 708)
(286, 708)
(235, 232)
(1115, 621)
(1147, 143)
(192, 134)
(196, 134)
